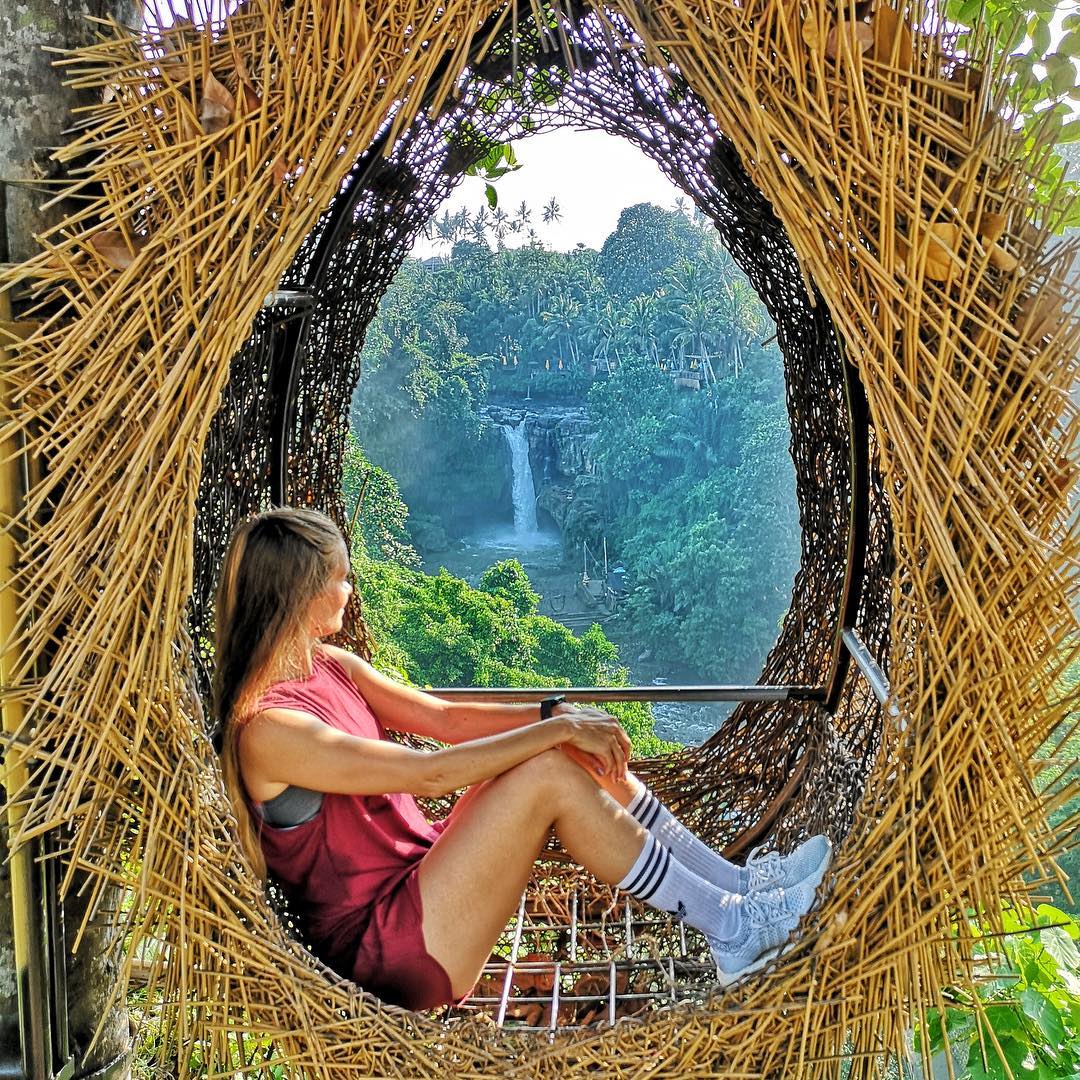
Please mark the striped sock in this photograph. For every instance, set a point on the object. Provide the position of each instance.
(693, 853)
(659, 879)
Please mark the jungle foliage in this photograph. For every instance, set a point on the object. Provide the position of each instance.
(436, 630)
(694, 490)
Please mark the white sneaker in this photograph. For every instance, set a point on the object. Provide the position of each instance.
(768, 918)
(808, 862)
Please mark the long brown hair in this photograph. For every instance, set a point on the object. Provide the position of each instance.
(277, 563)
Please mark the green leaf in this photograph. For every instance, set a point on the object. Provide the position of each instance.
(1045, 1016)
(1014, 922)
(998, 1066)
(933, 1030)
(1040, 36)
(1005, 1020)
(1050, 915)
(1023, 64)
(1061, 947)
(1061, 72)
(491, 195)
(969, 11)
(1074, 1013)
(544, 88)
(1015, 1053)
(975, 1069)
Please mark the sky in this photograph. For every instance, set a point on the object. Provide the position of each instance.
(592, 176)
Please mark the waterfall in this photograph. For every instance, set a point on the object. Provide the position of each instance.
(524, 492)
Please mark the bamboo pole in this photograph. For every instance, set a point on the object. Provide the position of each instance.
(31, 969)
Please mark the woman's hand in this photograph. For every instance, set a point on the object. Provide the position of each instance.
(597, 741)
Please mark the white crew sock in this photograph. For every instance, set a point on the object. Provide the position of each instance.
(659, 879)
(693, 853)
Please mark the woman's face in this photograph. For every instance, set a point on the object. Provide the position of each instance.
(327, 610)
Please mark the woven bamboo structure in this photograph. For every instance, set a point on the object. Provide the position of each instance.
(870, 183)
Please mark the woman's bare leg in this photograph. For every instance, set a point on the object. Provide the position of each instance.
(621, 790)
(473, 877)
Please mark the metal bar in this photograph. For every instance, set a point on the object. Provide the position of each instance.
(509, 980)
(573, 926)
(555, 996)
(31, 958)
(506, 694)
(873, 674)
(858, 412)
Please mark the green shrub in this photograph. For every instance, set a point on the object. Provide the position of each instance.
(1024, 1022)
(436, 630)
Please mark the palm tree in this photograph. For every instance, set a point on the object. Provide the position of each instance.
(685, 281)
(500, 222)
(562, 316)
(692, 305)
(607, 324)
(743, 315)
(642, 324)
(696, 325)
(480, 224)
(552, 213)
(739, 311)
(446, 229)
(522, 217)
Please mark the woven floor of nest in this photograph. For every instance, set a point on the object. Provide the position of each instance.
(583, 955)
(876, 193)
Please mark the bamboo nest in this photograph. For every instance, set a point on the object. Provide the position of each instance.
(871, 184)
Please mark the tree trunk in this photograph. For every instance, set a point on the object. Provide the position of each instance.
(34, 111)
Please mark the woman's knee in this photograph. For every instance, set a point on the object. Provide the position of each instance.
(551, 772)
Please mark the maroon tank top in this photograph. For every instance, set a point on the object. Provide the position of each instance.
(357, 848)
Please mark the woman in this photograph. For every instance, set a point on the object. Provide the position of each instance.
(411, 910)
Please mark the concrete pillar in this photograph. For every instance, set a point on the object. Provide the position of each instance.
(34, 111)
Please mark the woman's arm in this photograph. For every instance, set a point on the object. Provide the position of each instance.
(280, 747)
(404, 708)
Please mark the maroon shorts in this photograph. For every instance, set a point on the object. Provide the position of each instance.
(392, 961)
